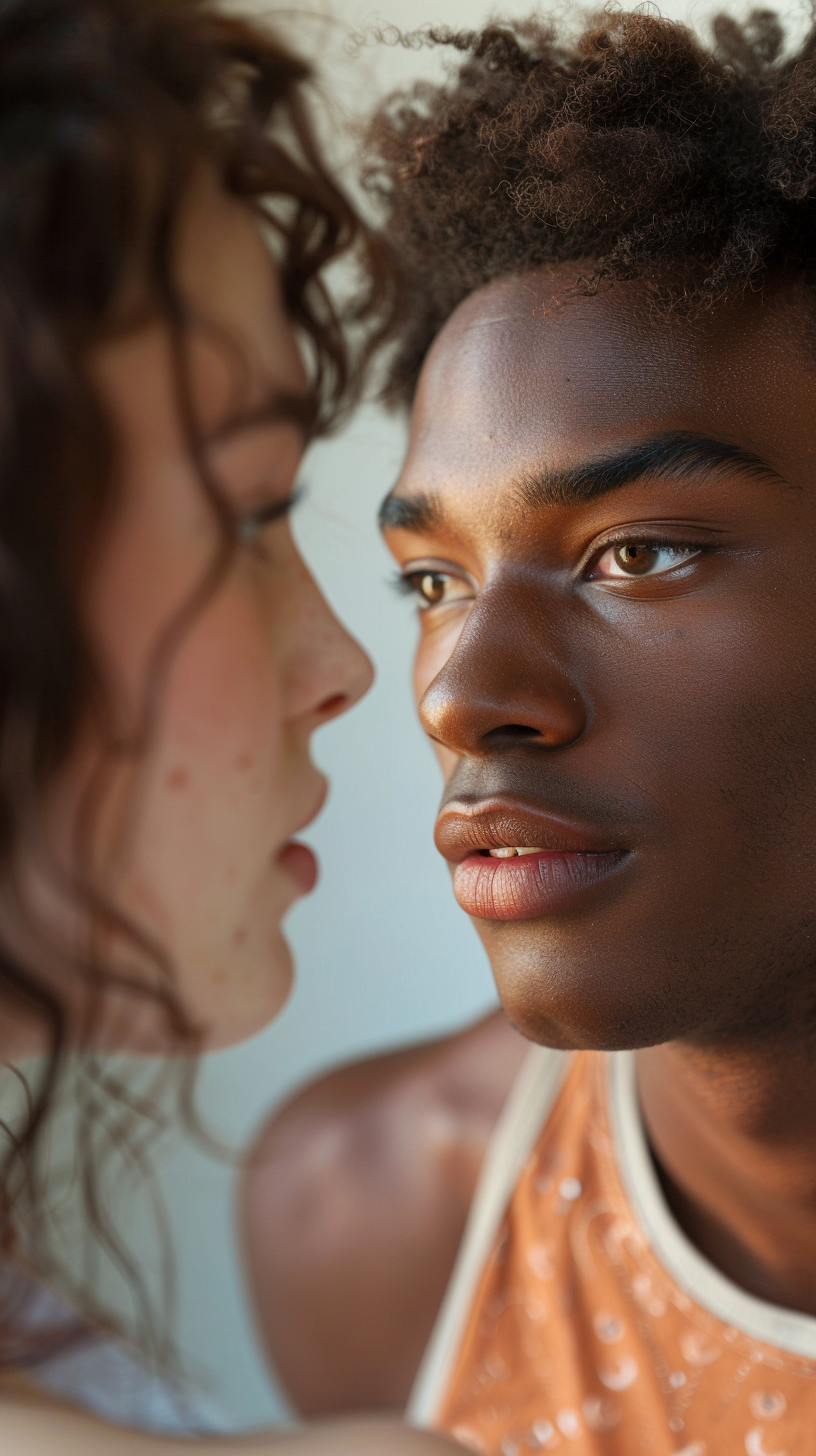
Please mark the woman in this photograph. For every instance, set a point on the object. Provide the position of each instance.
(164, 654)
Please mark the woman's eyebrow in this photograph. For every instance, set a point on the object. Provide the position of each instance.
(676, 454)
(277, 408)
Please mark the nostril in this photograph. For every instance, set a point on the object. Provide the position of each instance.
(333, 705)
(511, 733)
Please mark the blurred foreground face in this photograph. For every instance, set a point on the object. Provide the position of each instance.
(610, 526)
(193, 840)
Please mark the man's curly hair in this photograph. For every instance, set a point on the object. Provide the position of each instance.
(634, 150)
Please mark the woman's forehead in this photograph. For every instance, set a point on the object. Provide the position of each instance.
(232, 289)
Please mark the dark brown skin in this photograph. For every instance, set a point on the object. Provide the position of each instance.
(668, 716)
(353, 1209)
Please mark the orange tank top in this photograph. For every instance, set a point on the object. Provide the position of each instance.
(581, 1320)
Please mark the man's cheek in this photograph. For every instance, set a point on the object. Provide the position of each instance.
(422, 676)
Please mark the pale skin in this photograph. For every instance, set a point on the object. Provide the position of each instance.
(194, 837)
(667, 709)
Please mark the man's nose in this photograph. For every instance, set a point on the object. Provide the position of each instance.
(504, 682)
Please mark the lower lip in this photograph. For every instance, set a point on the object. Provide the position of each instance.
(526, 886)
(301, 864)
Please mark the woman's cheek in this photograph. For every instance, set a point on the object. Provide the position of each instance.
(213, 808)
(223, 692)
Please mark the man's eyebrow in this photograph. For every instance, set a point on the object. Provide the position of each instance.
(678, 454)
(279, 407)
(419, 513)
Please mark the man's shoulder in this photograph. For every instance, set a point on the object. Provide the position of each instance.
(353, 1207)
(383, 1122)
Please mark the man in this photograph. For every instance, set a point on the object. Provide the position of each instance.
(608, 515)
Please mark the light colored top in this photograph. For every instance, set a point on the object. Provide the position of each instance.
(104, 1377)
(580, 1317)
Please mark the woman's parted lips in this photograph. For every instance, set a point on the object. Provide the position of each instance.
(298, 859)
(318, 796)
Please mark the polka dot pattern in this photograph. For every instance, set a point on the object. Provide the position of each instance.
(579, 1341)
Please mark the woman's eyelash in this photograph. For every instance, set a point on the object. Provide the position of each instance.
(276, 510)
(252, 521)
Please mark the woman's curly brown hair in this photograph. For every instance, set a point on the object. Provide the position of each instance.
(633, 150)
(108, 111)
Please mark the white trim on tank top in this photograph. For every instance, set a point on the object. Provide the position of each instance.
(516, 1134)
(770, 1324)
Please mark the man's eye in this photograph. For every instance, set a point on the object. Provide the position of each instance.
(434, 588)
(630, 560)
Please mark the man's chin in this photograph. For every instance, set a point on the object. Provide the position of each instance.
(573, 1010)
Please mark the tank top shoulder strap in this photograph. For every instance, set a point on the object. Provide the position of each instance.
(517, 1131)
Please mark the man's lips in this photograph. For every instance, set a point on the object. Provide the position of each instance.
(556, 862)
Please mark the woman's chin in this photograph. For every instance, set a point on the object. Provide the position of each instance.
(246, 1000)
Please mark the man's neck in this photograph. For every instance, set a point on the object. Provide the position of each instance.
(733, 1135)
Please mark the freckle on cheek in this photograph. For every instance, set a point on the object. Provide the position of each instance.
(141, 894)
(178, 778)
(244, 762)
(219, 975)
(239, 936)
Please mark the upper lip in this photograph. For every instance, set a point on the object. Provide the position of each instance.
(463, 829)
(319, 797)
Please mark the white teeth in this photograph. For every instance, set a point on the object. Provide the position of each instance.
(509, 853)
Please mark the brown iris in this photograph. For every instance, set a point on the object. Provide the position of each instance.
(635, 559)
(431, 586)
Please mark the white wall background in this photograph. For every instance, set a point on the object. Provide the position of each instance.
(383, 953)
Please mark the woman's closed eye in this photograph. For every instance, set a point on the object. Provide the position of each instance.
(250, 524)
(633, 560)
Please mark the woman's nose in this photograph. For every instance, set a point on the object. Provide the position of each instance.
(503, 683)
(330, 671)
